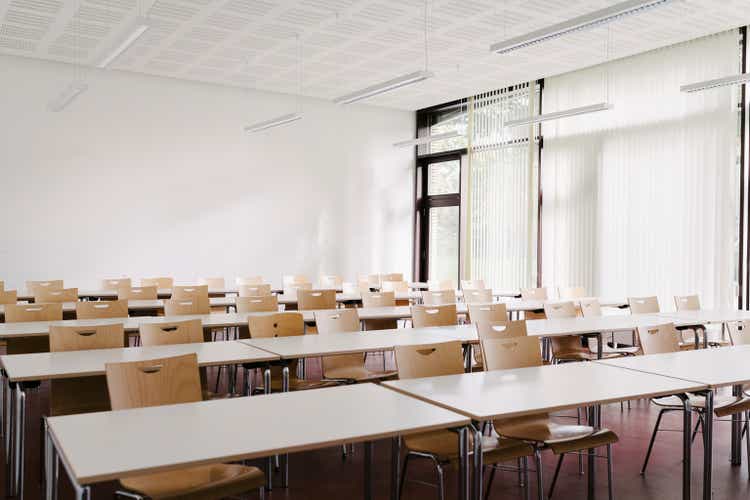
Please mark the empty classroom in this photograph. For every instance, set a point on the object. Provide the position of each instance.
(378, 249)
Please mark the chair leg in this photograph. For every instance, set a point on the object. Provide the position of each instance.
(651, 442)
(441, 481)
(580, 458)
(557, 473)
(403, 475)
(539, 480)
(610, 487)
(527, 486)
(489, 482)
(261, 493)
(519, 463)
(698, 425)
(747, 442)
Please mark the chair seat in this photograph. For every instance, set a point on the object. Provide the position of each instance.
(561, 438)
(720, 402)
(357, 373)
(203, 482)
(443, 444)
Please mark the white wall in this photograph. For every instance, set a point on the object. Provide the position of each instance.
(147, 176)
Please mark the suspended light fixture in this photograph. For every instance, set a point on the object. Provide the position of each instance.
(602, 106)
(67, 96)
(586, 21)
(420, 141)
(130, 36)
(719, 82)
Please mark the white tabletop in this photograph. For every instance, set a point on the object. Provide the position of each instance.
(55, 365)
(581, 325)
(164, 437)
(716, 367)
(524, 391)
(707, 315)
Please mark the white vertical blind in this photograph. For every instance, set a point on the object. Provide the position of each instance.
(642, 199)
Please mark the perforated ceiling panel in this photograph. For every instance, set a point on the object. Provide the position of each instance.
(347, 44)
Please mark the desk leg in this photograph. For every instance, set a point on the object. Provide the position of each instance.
(9, 432)
(368, 494)
(285, 458)
(591, 459)
(19, 435)
(478, 494)
(708, 441)
(705, 337)
(395, 466)
(599, 345)
(736, 454)
(463, 453)
(687, 427)
(50, 465)
(468, 357)
(270, 462)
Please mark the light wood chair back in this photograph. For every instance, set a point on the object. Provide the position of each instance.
(509, 353)
(290, 279)
(8, 296)
(338, 321)
(378, 299)
(430, 360)
(162, 282)
(2, 285)
(138, 293)
(560, 310)
(214, 283)
(488, 313)
(564, 346)
(571, 292)
(391, 277)
(687, 302)
(102, 309)
(350, 287)
(331, 281)
(250, 280)
(439, 285)
(659, 339)
(739, 332)
(18, 313)
(34, 286)
(373, 280)
(424, 316)
(260, 303)
(501, 329)
(50, 296)
(394, 286)
(590, 308)
(116, 283)
(477, 296)
(175, 332)
(255, 290)
(472, 285)
(439, 298)
(154, 382)
(283, 324)
(184, 307)
(190, 292)
(316, 299)
(534, 294)
(643, 305)
(293, 289)
(84, 338)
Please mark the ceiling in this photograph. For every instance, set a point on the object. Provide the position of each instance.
(347, 45)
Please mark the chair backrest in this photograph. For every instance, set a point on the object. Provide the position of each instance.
(260, 303)
(590, 308)
(438, 285)
(162, 282)
(571, 292)
(501, 329)
(154, 382)
(102, 309)
(509, 353)
(439, 298)
(284, 324)
(423, 315)
(378, 299)
(175, 332)
(488, 313)
(430, 360)
(687, 302)
(290, 279)
(391, 277)
(17, 313)
(83, 338)
(560, 310)
(338, 321)
(33, 286)
(316, 299)
(331, 281)
(373, 280)
(477, 296)
(250, 280)
(643, 305)
(8, 296)
(2, 285)
(292, 289)
(534, 294)
(739, 332)
(183, 307)
(658, 339)
(60, 295)
(138, 293)
(255, 290)
(214, 283)
(394, 286)
(116, 283)
(190, 292)
(472, 285)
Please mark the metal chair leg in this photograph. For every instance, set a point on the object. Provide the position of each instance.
(403, 475)
(539, 480)
(580, 458)
(651, 442)
(610, 486)
(261, 493)
(557, 473)
(489, 482)
(698, 425)
(441, 481)
(526, 485)
(747, 442)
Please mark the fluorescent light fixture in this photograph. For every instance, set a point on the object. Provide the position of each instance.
(586, 21)
(67, 96)
(382, 88)
(719, 82)
(603, 106)
(428, 139)
(275, 122)
(138, 28)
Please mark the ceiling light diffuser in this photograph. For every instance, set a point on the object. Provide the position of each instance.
(420, 141)
(275, 122)
(381, 88)
(130, 36)
(603, 106)
(719, 82)
(67, 96)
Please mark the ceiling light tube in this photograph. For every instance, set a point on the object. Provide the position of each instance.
(381, 88)
(138, 28)
(586, 21)
(67, 96)
(603, 106)
(420, 141)
(275, 122)
(719, 82)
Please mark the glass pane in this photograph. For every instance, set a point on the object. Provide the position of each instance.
(455, 121)
(443, 245)
(444, 177)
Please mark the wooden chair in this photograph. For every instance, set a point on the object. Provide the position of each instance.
(643, 305)
(261, 303)
(173, 381)
(687, 302)
(138, 293)
(477, 296)
(591, 308)
(346, 368)
(379, 299)
(102, 309)
(390, 277)
(250, 280)
(394, 286)
(116, 283)
(739, 332)
(293, 289)
(496, 330)
(316, 299)
(46, 295)
(291, 279)
(331, 281)
(439, 285)
(693, 303)
(566, 348)
(472, 285)
(539, 429)
(17, 313)
(439, 298)
(162, 283)
(255, 290)
(424, 316)
(184, 307)
(34, 286)
(534, 294)
(70, 396)
(175, 332)
(571, 292)
(197, 294)
(214, 283)
(488, 313)
(441, 446)
(8, 296)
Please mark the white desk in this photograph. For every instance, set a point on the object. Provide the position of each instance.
(510, 393)
(158, 437)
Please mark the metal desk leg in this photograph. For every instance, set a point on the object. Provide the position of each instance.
(50, 465)
(463, 453)
(284, 458)
(736, 453)
(591, 458)
(478, 494)
(468, 357)
(708, 441)
(19, 435)
(599, 345)
(270, 462)
(705, 337)
(368, 494)
(3, 389)
(687, 426)
(8, 415)
(9, 432)
(395, 465)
